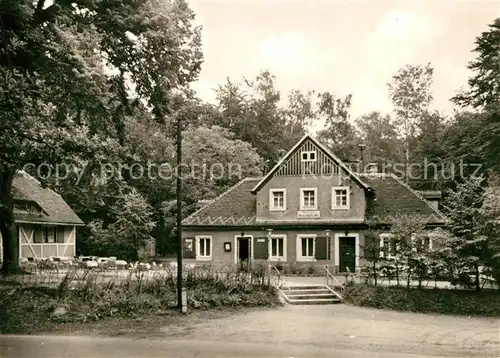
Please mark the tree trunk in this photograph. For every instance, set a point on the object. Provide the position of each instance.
(407, 162)
(10, 242)
(477, 283)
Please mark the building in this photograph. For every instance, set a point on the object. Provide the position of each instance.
(310, 209)
(46, 225)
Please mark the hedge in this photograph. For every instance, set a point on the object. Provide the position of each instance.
(442, 301)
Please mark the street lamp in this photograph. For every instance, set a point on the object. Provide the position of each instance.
(327, 234)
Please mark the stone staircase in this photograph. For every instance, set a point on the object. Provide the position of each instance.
(310, 295)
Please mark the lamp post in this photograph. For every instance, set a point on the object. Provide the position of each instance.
(269, 232)
(327, 234)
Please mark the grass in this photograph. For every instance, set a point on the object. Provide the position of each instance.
(37, 303)
(441, 301)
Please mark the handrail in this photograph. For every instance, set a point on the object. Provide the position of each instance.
(329, 275)
(280, 279)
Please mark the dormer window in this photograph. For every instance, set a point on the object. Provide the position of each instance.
(309, 156)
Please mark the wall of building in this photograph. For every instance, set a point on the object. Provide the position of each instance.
(220, 257)
(29, 248)
(324, 185)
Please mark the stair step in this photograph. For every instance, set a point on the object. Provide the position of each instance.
(301, 288)
(300, 292)
(311, 296)
(316, 301)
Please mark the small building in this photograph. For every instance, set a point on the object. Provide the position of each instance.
(46, 225)
(310, 209)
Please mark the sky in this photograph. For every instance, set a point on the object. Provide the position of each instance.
(340, 46)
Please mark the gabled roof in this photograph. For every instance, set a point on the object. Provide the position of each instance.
(237, 206)
(54, 209)
(320, 146)
(393, 196)
(234, 207)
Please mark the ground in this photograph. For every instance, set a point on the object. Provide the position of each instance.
(291, 331)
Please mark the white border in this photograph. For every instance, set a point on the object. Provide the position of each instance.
(277, 258)
(298, 245)
(197, 248)
(271, 199)
(348, 201)
(302, 208)
(236, 237)
(308, 160)
(337, 237)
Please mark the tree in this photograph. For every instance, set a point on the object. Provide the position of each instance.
(484, 85)
(379, 134)
(483, 95)
(253, 111)
(127, 234)
(59, 101)
(410, 92)
(406, 230)
(463, 210)
(339, 134)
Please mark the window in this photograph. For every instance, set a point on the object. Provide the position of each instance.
(422, 244)
(45, 235)
(277, 199)
(340, 197)
(306, 247)
(203, 247)
(388, 246)
(308, 199)
(309, 156)
(277, 248)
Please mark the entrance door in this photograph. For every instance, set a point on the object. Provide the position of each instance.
(244, 251)
(347, 254)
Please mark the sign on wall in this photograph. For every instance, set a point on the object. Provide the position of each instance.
(308, 214)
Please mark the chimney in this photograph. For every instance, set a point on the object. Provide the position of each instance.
(281, 153)
(361, 160)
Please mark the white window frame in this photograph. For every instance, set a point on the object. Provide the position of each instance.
(334, 198)
(301, 258)
(235, 249)
(271, 199)
(277, 258)
(205, 257)
(383, 237)
(302, 207)
(308, 154)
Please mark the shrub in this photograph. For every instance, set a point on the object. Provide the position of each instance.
(456, 302)
(94, 296)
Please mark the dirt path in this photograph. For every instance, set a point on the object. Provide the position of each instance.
(353, 328)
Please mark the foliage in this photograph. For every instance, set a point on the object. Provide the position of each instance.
(61, 101)
(252, 111)
(484, 85)
(469, 241)
(127, 234)
(441, 301)
(94, 297)
(410, 92)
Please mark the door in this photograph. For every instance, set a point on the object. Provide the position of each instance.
(347, 254)
(244, 251)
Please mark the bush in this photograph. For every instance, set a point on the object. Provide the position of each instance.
(94, 296)
(455, 302)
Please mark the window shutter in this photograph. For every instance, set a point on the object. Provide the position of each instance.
(260, 248)
(321, 248)
(189, 247)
